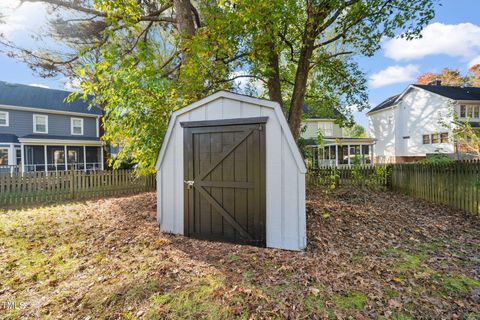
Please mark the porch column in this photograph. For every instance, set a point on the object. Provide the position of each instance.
(11, 157)
(46, 158)
(101, 157)
(84, 159)
(336, 155)
(65, 156)
(22, 152)
(348, 154)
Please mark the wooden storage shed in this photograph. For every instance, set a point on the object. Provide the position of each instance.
(229, 170)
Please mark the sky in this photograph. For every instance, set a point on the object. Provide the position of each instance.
(452, 39)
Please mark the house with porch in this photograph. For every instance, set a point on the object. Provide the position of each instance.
(40, 131)
(337, 148)
(415, 123)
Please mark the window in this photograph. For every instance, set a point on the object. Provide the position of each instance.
(18, 156)
(72, 156)
(444, 137)
(40, 123)
(3, 119)
(426, 139)
(326, 128)
(3, 156)
(435, 138)
(58, 157)
(77, 126)
(470, 111)
(365, 149)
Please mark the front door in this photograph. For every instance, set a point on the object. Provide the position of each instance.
(225, 180)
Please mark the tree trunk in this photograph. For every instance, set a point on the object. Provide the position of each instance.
(185, 19)
(300, 87)
(274, 86)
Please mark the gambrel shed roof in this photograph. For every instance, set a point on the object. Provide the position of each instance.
(241, 98)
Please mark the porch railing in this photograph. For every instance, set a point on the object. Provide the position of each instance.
(9, 168)
(52, 167)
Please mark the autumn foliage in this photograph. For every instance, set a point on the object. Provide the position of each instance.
(452, 77)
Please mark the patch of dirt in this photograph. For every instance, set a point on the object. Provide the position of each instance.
(370, 255)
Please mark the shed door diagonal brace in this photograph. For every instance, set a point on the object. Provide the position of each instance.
(224, 213)
(202, 176)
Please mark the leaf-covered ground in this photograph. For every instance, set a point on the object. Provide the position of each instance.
(370, 255)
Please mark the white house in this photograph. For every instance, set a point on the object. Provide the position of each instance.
(230, 170)
(409, 126)
(337, 149)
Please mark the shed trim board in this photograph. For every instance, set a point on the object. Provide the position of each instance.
(242, 98)
(284, 179)
(226, 122)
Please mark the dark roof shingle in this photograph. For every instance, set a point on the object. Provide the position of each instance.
(8, 138)
(317, 111)
(36, 97)
(455, 93)
(385, 104)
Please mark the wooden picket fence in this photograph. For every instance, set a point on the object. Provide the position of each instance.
(361, 175)
(456, 184)
(18, 189)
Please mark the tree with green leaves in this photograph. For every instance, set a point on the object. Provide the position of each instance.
(143, 59)
(354, 131)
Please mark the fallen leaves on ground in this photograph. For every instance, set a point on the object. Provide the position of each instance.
(370, 255)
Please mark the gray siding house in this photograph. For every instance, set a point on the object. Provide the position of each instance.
(39, 131)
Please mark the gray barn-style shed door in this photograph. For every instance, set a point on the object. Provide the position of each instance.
(225, 180)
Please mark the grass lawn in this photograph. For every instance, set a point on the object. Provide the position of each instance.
(370, 255)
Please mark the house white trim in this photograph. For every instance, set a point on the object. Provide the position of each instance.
(34, 141)
(382, 110)
(241, 98)
(35, 117)
(43, 110)
(72, 131)
(7, 119)
(318, 119)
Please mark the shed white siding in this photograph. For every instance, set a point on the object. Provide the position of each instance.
(285, 169)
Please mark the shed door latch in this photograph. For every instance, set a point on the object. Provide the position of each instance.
(189, 184)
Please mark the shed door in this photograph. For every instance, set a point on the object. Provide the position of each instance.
(225, 180)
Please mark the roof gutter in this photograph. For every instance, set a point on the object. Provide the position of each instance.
(33, 141)
(43, 110)
(381, 110)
